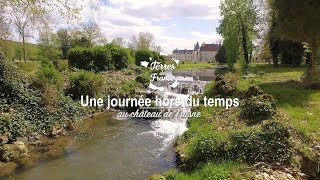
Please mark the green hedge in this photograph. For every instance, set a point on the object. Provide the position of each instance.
(99, 58)
(85, 83)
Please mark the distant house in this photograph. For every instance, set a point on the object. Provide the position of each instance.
(203, 53)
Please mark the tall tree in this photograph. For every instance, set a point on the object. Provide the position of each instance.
(48, 45)
(238, 21)
(144, 40)
(119, 41)
(64, 41)
(25, 15)
(92, 32)
(5, 31)
(298, 20)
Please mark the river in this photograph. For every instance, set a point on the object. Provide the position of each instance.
(109, 148)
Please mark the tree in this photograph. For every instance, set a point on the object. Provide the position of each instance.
(239, 18)
(119, 41)
(299, 21)
(92, 32)
(25, 15)
(145, 40)
(221, 56)
(143, 55)
(64, 41)
(48, 45)
(5, 31)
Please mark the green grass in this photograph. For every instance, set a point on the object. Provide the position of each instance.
(30, 67)
(301, 105)
(212, 171)
(299, 109)
(10, 48)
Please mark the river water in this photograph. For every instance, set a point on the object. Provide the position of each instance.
(109, 148)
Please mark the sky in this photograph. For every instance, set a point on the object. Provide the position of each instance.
(174, 23)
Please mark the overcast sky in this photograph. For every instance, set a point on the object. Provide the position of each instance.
(174, 23)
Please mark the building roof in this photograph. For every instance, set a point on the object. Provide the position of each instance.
(197, 46)
(176, 51)
(209, 47)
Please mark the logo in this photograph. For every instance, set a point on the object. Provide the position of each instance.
(155, 65)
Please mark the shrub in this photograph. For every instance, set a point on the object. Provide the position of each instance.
(81, 58)
(258, 108)
(85, 83)
(101, 59)
(143, 79)
(47, 74)
(22, 104)
(206, 148)
(120, 57)
(143, 55)
(270, 145)
(61, 65)
(219, 87)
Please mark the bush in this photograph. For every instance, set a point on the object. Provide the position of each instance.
(257, 106)
(143, 79)
(21, 104)
(269, 145)
(219, 87)
(85, 83)
(61, 65)
(47, 74)
(208, 148)
(102, 59)
(81, 58)
(143, 55)
(120, 57)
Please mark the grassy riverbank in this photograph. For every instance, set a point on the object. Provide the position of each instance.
(223, 144)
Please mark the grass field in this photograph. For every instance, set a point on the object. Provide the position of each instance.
(301, 105)
(13, 50)
(299, 111)
(30, 67)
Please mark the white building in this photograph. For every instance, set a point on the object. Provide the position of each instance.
(205, 53)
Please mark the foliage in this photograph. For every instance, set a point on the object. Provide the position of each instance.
(143, 55)
(48, 46)
(270, 145)
(221, 56)
(95, 58)
(258, 108)
(209, 171)
(13, 50)
(100, 58)
(85, 83)
(206, 148)
(47, 74)
(296, 20)
(120, 57)
(64, 42)
(143, 79)
(237, 28)
(29, 67)
(61, 65)
(220, 87)
(24, 111)
(144, 40)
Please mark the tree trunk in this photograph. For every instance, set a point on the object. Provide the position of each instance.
(314, 54)
(310, 73)
(24, 48)
(244, 43)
